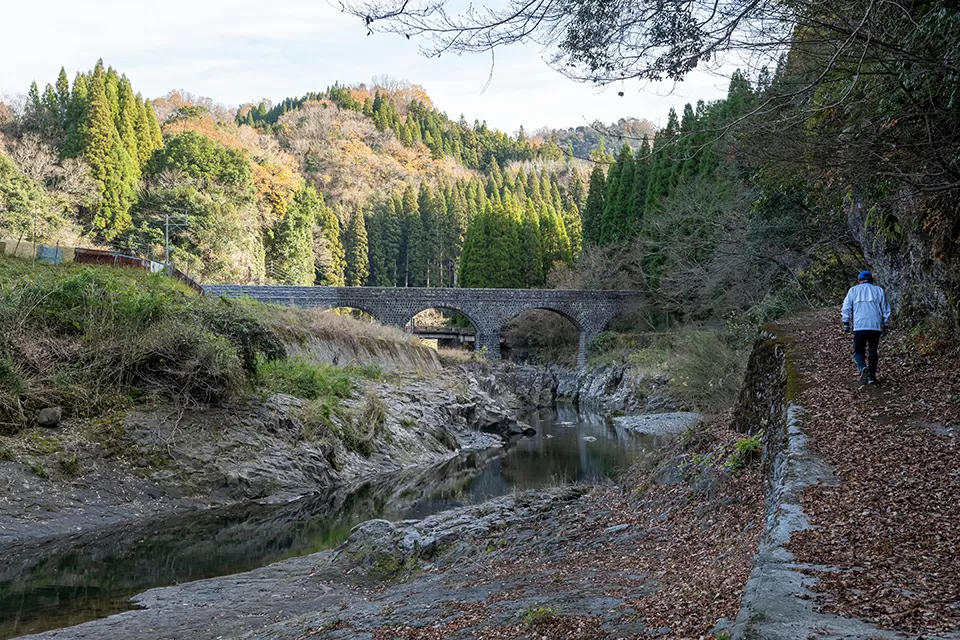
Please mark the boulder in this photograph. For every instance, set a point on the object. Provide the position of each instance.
(49, 417)
(612, 388)
(383, 547)
(535, 385)
(659, 423)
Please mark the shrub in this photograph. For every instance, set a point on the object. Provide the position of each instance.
(69, 464)
(368, 371)
(355, 437)
(39, 470)
(12, 388)
(90, 301)
(745, 450)
(373, 412)
(603, 342)
(611, 345)
(538, 615)
(183, 361)
(87, 338)
(707, 370)
(304, 379)
(10, 378)
(244, 330)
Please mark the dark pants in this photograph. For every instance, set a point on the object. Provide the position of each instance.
(866, 341)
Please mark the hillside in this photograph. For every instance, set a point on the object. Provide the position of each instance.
(371, 185)
(93, 340)
(585, 141)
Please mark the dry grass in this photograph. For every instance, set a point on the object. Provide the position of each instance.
(91, 339)
(454, 357)
(704, 366)
(297, 325)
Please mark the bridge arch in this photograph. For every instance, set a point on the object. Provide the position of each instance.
(445, 307)
(444, 335)
(540, 331)
(560, 312)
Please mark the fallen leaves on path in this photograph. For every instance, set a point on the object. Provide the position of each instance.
(888, 531)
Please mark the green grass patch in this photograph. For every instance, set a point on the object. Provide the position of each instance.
(41, 445)
(308, 380)
(69, 464)
(538, 615)
(110, 433)
(744, 450)
(89, 338)
(356, 437)
(39, 470)
(358, 429)
(318, 418)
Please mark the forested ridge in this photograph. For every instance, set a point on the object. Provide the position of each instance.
(350, 185)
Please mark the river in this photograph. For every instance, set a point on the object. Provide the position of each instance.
(69, 580)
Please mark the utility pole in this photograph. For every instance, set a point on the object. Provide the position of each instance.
(168, 265)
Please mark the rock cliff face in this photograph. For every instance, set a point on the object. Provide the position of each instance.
(762, 406)
(920, 274)
(263, 450)
(603, 388)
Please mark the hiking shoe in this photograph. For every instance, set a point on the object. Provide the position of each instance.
(871, 380)
(864, 376)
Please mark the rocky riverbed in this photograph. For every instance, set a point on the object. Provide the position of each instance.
(546, 561)
(569, 562)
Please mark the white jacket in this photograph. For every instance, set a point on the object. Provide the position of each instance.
(869, 307)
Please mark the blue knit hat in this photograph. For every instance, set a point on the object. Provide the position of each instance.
(864, 275)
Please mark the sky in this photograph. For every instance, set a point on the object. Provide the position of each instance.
(238, 51)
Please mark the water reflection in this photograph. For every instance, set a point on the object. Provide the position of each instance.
(69, 580)
(557, 454)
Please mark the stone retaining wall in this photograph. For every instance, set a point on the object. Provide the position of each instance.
(777, 603)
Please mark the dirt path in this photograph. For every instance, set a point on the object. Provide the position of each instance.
(889, 529)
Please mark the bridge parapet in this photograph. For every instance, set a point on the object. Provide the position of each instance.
(487, 309)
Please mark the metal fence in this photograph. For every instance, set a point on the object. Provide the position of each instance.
(113, 258)
(58, 255)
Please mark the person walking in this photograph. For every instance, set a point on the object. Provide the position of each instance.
(868, 305)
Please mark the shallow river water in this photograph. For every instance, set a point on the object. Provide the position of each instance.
(69, 580)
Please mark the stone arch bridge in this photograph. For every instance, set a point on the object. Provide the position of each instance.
(487, 309)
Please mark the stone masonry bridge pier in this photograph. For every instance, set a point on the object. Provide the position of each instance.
(487, 309)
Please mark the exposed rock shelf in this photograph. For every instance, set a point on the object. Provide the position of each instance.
(158, 460)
